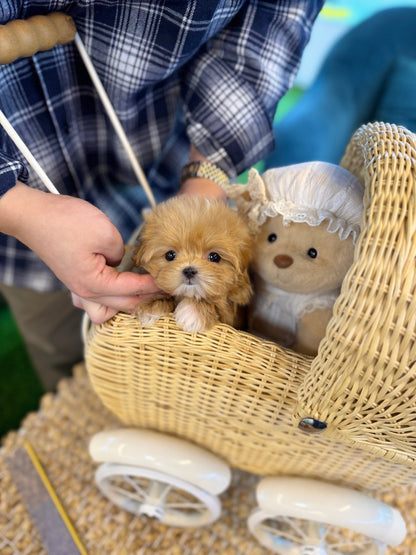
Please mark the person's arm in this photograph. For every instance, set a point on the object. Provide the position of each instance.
(79, 244)
(231, 88)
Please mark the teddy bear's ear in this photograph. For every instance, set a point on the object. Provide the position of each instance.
(256, 187)
(237, 192)
(240, 195)
(254, 191)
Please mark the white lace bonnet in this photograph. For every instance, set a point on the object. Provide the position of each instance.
(309, 192)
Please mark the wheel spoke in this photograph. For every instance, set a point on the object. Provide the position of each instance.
(136, 486)
(133, 495)
(197, 507)
(184, 501)
(137, 491)
(297, 526)
(292, 535)
(182, 497)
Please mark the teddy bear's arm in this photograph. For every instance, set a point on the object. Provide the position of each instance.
(262, 325)
(310, 330)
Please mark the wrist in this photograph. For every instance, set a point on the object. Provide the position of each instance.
(12, 208)
(202, 177)
(204, 170)
(203, 187)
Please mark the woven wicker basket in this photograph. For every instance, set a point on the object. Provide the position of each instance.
(242, 397)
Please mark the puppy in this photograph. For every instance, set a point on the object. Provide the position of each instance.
(197, 250)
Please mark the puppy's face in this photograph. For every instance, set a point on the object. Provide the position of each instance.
(195, 247)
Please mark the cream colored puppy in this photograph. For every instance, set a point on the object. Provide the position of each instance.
(198, 251)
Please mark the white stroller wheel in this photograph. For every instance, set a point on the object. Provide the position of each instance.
(169, 455)
(300, 516)
(144, 491)
(294, 536)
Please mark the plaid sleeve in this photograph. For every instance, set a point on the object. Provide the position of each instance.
(231, 89)
(10, 171)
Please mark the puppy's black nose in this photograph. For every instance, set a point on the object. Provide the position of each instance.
(189, 272)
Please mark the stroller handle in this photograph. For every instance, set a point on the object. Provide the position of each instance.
(21, 38)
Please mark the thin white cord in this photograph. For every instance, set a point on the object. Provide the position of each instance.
(18, 141)
(114, 120)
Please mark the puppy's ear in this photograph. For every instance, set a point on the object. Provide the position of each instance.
(241, 291)
(245, 250)
(138, 253)
(142, 253)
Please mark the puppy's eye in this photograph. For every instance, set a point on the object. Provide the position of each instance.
(214, 257)
(272, 237)
(170, 255)
(313, 253)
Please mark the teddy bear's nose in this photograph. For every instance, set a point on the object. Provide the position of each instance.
(283, 261)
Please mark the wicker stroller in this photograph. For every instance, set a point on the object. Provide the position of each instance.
(323, 432)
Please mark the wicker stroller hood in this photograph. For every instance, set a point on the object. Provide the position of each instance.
(242, 397)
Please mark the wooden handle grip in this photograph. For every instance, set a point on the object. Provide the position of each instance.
(24, 37)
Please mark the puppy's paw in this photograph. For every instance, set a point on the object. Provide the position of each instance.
(147, 320)
(193, 316)
(149, 312)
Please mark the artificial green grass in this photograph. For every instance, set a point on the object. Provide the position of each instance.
(288, 101)
(20, 388)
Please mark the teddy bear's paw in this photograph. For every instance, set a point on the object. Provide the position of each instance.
(193, 318)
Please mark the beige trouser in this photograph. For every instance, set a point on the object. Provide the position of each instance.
(51, 329)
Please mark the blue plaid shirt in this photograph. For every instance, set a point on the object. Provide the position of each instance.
(209, 72)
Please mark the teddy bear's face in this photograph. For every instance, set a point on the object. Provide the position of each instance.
(300, 258)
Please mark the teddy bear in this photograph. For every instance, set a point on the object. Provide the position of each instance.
(305, 219)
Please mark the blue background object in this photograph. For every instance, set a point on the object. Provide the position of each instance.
(336, 18)
(368, 75)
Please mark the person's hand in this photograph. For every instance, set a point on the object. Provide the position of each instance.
(104, 307)
(80, 245)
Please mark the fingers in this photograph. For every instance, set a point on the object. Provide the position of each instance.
(102, 307)
(112, 283)
(105, 308)
(98, 313)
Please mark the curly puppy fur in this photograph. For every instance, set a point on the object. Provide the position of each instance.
(198, 251)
